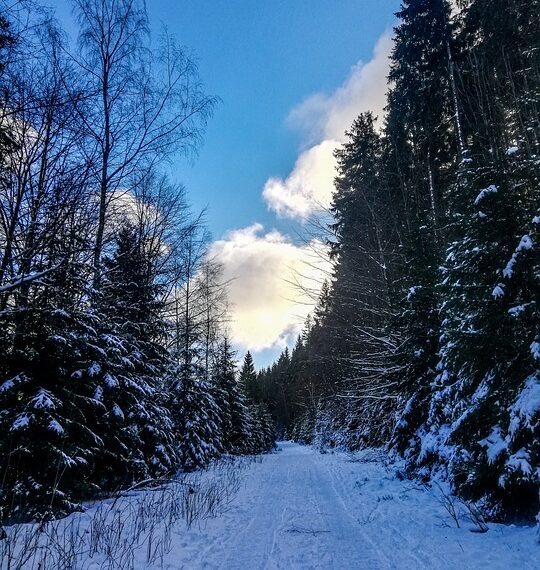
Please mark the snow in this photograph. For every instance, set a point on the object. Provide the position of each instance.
(519, 461)
(492, 189)
(495, 444)
(56, 427)
(43, 400)
(523, 414)
(67, 460)
(98, 394)
(512, 150)
(498, 291)
(525, 244)
(94, 369)
(298, 509)
(60, 313)
(23, 279)
(7, 386)
(110, 381)
(12, 382)
(117, 411)
(21, 422)
(517, 310)
(58, 339)
(436, 441)
(526, 407)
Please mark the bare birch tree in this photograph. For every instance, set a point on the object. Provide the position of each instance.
(142, 106)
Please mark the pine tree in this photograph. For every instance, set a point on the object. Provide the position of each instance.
(85, 366)
(196, 414)
(46, 440)
(259, 422)
(488, 332)
(420, 153)
(261, 429)
(136, 426)
(192, 395)
(230, 400)
(359, 313)
(482, 413)
(248, 379)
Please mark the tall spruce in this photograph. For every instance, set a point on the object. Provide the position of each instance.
(259, 422)
(360, 311)
(47, 441)
(248, 378)
(420, 153)
(484, 421)
(195, 412)
(137, 426)
(230, 400)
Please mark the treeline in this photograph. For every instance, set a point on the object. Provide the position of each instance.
(426, 337)
(115, 368)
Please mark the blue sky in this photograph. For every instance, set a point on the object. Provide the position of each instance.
(267, 61)
(262, 58)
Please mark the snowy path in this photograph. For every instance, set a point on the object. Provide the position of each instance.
(302, 510)
(293, 510)
(295, 519)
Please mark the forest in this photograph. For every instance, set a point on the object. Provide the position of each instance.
(117, 369)
(115, 366)
(426, 336)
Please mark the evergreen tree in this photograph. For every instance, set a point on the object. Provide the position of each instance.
(136, 425)
(259, 423)
(420, 154)
(230, 400)
(47, 444)
(195, 412)
(482, 411)
(433, 302)
(360, 310)
(192, 395)
(248, 379)
(261, 429)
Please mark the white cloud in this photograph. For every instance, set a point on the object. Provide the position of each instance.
(323, 119)
(329, 116)
(308, 187)
(267, 307)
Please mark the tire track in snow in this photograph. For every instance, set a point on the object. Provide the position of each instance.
(290, 516)
(417, 562)
(299, 510)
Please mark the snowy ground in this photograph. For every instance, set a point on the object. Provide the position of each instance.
(298, 509)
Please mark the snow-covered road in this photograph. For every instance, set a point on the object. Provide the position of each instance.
(299, 509)
(295, 509)
(292, 516)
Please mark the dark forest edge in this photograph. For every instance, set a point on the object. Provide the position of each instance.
(426, 337)
(115, 365)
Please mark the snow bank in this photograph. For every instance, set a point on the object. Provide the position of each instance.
(295, 509)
